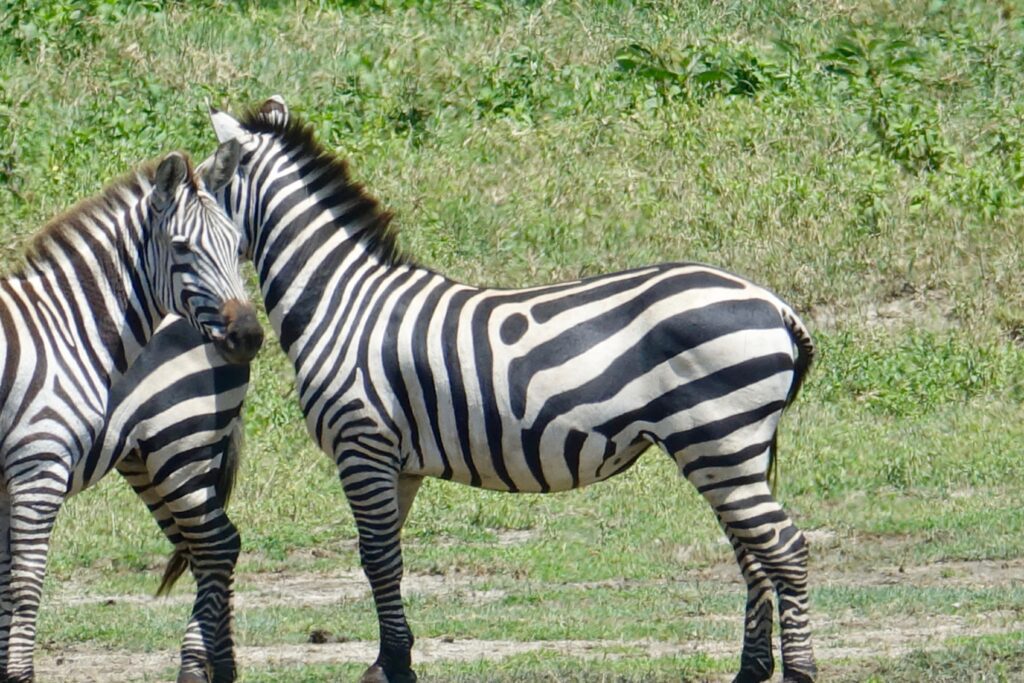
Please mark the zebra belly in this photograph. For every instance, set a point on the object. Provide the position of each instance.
(567, 438)
(559, 473)
(565, 456)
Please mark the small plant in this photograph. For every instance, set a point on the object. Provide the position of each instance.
(696, 72)
(880, 64)
(882, 72)
(514, 86)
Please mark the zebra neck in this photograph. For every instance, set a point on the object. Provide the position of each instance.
(83, 278)
(317, 238)
(316, 273)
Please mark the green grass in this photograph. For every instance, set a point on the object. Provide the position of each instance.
(865, 161)
(987, 658)
(535, 667)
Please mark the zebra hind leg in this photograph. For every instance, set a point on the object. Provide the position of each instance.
(772, 554)
(206, 542)
(213, 546)
(374, 494)
(134, 471)
(756, 662)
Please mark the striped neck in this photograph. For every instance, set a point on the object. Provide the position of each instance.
(85, 268)
(314, 234)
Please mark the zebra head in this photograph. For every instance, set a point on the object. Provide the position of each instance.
(193, 249)
(257, 152)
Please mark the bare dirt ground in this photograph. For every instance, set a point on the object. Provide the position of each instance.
(843, 636)
(857, 640)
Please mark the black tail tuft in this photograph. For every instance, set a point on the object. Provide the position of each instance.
(176, 566)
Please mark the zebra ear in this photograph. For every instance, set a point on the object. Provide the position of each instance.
(170, 174)
(225, 125)
(225, 162)
(275, 111)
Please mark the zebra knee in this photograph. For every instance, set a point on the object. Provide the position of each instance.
(232, 546)
(794, 552)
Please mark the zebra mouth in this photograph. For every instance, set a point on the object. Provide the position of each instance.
(217, 332)
(241, 335)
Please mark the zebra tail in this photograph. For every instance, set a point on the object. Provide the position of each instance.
(802, 364)
(180, 558)
(229, 467)
(176, 566)
(804, 352)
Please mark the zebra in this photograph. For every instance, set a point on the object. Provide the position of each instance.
(173, 430)
(403, 374)
(95, 283)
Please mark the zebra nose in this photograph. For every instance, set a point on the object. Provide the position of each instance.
(243, 335)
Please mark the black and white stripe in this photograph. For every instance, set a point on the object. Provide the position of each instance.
(403, 373)
(95, 284)
(174, 430)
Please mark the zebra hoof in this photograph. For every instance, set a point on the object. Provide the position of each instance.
(791, 676)
(752, 676)
(192, 677)
(375, 674)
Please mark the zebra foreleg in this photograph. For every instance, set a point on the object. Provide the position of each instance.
(374, 495)
(6, 608)
(35, 501)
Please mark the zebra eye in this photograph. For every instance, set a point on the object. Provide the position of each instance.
(180, 245)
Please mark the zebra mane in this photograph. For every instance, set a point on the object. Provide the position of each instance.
(113, 199)
(380, 236)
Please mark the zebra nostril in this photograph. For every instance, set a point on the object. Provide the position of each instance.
(243, 335)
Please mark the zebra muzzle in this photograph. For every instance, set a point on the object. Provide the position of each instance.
(243, 335)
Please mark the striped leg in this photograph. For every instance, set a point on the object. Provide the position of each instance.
(135, 473)
(35, 500)
(770, 546)
(374, 493)
(757, 662)
(193, 519)
(213, 548)
(6, 607)
(213, 566)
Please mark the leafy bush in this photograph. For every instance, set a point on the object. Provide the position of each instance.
(66, 26)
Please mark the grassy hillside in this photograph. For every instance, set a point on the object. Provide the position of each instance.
(864, 160)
